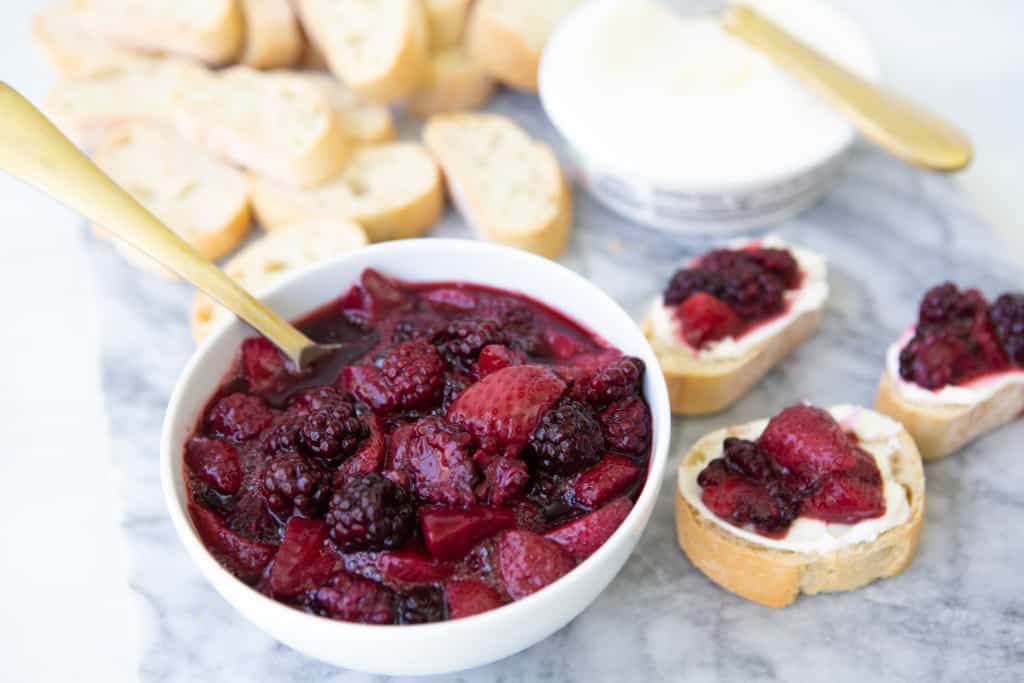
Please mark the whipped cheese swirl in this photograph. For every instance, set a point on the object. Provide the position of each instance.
(811, 295)
(968, 394)
(877, 434)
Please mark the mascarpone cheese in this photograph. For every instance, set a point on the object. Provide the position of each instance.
(878, 435)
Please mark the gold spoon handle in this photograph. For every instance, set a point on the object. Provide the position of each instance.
(894, 124)
(32, 149)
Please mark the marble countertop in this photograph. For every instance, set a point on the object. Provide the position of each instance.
(88, 597)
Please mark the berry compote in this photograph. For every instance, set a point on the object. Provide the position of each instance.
(960, 337)
(464, 449)
(802, 464)
(727, 292)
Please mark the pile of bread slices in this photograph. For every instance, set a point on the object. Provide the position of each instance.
(218, 113)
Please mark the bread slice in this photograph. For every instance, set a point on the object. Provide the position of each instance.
(208, 30)
(393, 190)
(508, 187)
(377, 47)
(775, 577)
(940, 430)
(267, 122)
(198, 196)
(447, 21)
(68, 46)
(453, 81)
(508, 36)
(273, 37)
(126, 91)
(270, 257)
(699, 386)
(364, 121)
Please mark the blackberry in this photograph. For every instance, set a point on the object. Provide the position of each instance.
(421, 605)
(735, 277)
(465, 338)
(615, 381)
(415, 370)
(780, 263)
(352, 598)
(567, 440)
(1007, 316)
(748, 459)
(239, 417)
(425, 326)
(370, 512)
(291, 483)
(946, 303)
(627, 426)
(328, 426)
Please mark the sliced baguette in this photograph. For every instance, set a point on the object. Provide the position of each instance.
(377, 47)
(447, 21)
(267, 122)
(940, 430)
(198, 196)
(453, 81)
(70, 48)
(364, 121)
(508, 36)
(508, 187)
(393, 190)
(268, 258)
(775, 577)
(699, 386)
(208, 30)
(128, 91)
(273, 36)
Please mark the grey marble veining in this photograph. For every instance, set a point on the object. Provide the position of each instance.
(956, 614)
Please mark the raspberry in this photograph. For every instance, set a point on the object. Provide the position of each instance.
(370, 512)
(239, 417)
(437, 457)
(1007, 317)
(627, 426)
(351, 598)
(505, 479)
(567, 440)
(615, 381)
(290, 483)
(465, 338)
(421, 605)
(415, 370)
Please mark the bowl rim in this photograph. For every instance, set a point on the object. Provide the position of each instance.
(656, 394)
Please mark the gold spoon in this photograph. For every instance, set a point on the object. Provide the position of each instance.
(896, 125)
(33, 150)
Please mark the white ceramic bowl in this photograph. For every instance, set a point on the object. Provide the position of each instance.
(452, 645)
(723, 144)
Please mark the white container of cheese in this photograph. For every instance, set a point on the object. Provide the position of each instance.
(677, 124)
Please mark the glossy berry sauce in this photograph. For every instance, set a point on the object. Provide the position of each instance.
(803, 464)
(466, 448)
(728, 292)
(960, 337)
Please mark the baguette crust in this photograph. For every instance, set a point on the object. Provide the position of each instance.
(773, 577)
(508, 187)
(700, 387)
(393, 190)
(943, 429)
(398, 43)
(273, 36)
(68, 46)
(447, 21)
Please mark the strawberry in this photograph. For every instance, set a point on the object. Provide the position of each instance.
(809, 443)
(245, 556)
(239, 417)
(494, 357)
(506, 406)
(303, 561)
(437, 457)
(263, 367)
(529, 562)
(449, 534)
(706, 318)
(370, 456)
(369, 386)
(411, 567)
(605, 480)
(455, 299)
(215, 462)
(581, 537)
(467, 597)
(850, 496)
(372, 299)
